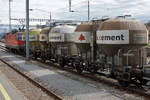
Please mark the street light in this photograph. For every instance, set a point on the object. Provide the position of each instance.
(50, 15)
(70, 10)
(88, 10)
(27, 30)
(10, 15)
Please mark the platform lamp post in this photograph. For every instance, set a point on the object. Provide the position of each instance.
(27, 30)
(10, 15)
(88, 10)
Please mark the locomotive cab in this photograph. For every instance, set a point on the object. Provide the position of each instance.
(14, 42)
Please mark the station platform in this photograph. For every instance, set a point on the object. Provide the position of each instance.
(7, 90)
(64, 86)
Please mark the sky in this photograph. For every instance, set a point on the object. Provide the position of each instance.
(139, 9)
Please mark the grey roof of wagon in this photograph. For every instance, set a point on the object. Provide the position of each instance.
(63, 29)
(121, 24)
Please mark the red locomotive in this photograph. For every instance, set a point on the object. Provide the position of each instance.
(14, 42)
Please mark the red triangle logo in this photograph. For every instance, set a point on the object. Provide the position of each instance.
(43, 37)
(81, 37)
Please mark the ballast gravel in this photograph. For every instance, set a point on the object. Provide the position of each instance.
(30, 91)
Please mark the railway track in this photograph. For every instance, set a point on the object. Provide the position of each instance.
(103, 79)
(54, 96)
(92, 76)
(3, 48)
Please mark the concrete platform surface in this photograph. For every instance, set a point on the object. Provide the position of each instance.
(63, 86)
(8, 91)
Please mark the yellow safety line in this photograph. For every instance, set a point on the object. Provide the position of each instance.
(4, 93)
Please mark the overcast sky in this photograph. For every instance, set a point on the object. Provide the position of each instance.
(137, 8)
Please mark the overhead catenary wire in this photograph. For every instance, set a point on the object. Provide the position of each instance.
(113, 7)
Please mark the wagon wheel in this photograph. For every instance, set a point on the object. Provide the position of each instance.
(123, 83)
(43, 59)
(34, 57)
(143, 81)
(93, 70)
(79, 69)
(61, 65)
(60, 62)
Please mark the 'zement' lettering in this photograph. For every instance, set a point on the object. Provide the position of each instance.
(113, 38)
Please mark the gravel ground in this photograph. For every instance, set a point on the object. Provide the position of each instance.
(2, 44)
(27, 89)
(67, 85)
